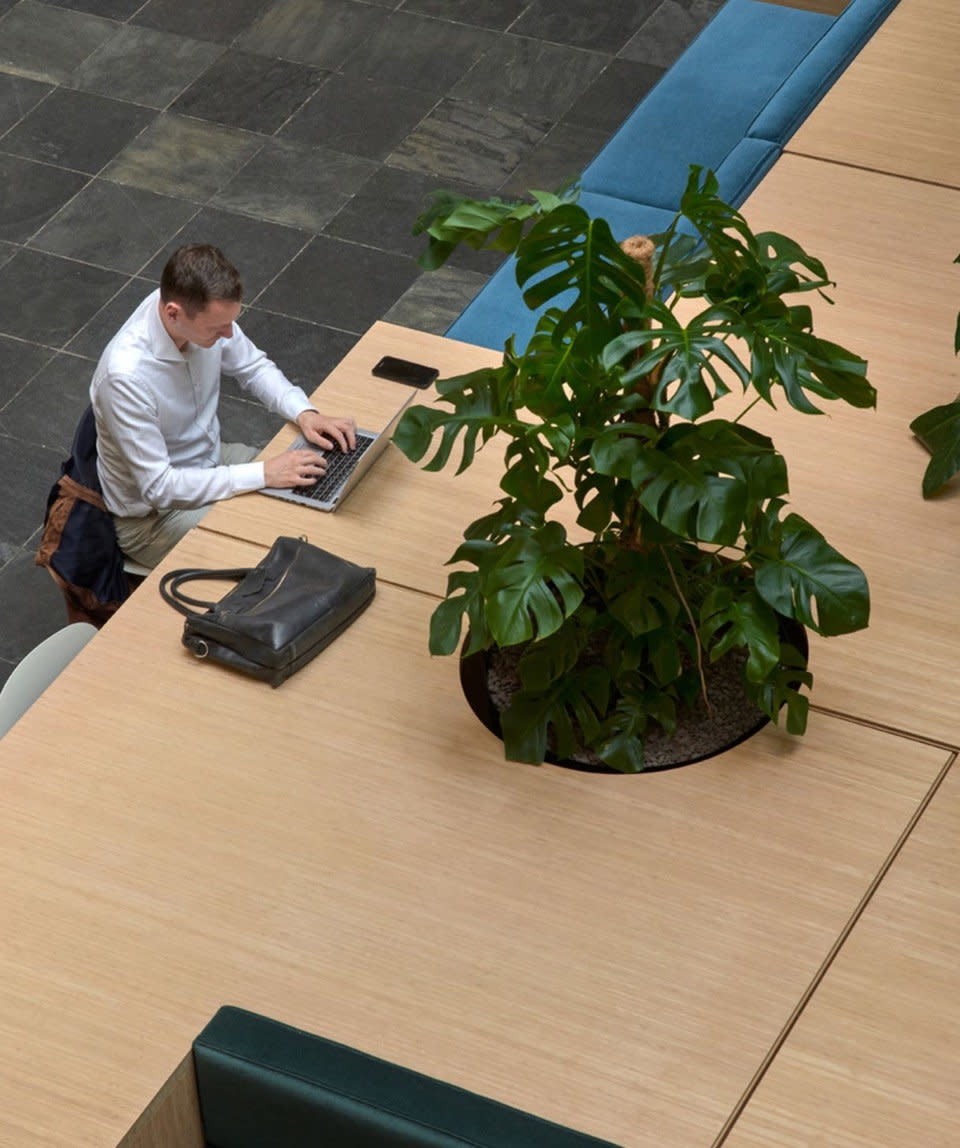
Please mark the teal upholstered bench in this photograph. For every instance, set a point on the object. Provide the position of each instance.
(261, 1083)
(730, 103)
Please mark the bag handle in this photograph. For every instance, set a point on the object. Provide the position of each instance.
(172, 594)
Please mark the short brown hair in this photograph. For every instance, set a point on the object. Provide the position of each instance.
(198, 273)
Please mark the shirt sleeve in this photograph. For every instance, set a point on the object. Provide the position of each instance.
(261, 377)
(128, 413)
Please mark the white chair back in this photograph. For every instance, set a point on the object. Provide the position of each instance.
(38, 669)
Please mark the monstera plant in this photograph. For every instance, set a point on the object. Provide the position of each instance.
(684, 551)
(939, 431)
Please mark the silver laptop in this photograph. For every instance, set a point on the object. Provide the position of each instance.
(345, 468)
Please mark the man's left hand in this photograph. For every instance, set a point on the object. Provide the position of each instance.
(328, 432)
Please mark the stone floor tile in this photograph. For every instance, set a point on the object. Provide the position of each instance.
(305, 352)
(94, 335)
(220, 22)
(145, 66)
(38, 608)
(184, 157)
(605, 27)
(613, 95)
(77, 130)
(19, 362)
(249, 91)
(496, 14)
(27, 473)
(667, 32)
(294, 184)
(367, 117)
(47, 43)
(436, 299)
(556, 162)
(320, 32)
(529, 77)
(47, 299)
(110, 225)
(30, 193)
(18, 96)
(340, 284)
(259, 249)
(46, 411)
(436, 53)
(469, 143)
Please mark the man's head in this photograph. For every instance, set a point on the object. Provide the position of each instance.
(200, 295)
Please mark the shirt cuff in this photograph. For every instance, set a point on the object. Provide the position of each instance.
(246, 476)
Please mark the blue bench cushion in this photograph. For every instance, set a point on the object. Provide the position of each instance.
(801, 91)
(703, 106)
(264, 1083)
(498, 311)
(744, 167)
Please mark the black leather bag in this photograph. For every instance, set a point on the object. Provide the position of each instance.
(281, 614)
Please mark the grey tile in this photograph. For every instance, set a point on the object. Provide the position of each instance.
(30, 193)
(46, 43)
(557, 161)
(78, 130)
(47, 299)
(144, 66)
(257, 248)
(113, 226)
(7, 251)
(435, 53)
(321, 32)
(220, 22)
(305, 352)
(663, 37)
(250, 91)
(112, 9)
(184, 157)
(436, 299)
(46, 412)
(294, 184)
(605, 27)
(613, 95)
(530, 77)
(94, 335)
(18, 96)
(39, 608)
(19, 362)
(359, 116)
(384, 211)
(340, 284)
(246, 422)
(469, 143)
(26, 474)
(496, 14)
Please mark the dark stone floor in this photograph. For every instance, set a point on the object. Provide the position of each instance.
(301, 136)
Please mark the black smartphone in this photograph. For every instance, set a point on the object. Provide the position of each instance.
(403, 371)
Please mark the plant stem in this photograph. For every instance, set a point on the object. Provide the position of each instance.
(696, 636)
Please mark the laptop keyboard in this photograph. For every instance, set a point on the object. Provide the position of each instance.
(339, 465)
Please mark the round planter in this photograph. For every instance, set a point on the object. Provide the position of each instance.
(697, 738)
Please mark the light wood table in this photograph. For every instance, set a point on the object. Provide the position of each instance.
(856, 474)
(872, 1062)
(896, 108)
(350, 853)
(401, 519)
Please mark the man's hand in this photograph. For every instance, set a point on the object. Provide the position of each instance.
(293, 468)
(328, 432)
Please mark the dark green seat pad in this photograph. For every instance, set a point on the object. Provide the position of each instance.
(262, 1083)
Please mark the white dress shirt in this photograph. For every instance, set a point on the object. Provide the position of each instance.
(158, 434)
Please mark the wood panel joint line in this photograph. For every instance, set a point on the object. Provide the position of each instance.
(835, 948)
(896, 731)
(872, 170)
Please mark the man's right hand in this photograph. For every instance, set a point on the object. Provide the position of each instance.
(293, 468)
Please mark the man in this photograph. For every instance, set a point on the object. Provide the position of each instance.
(155, 394)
